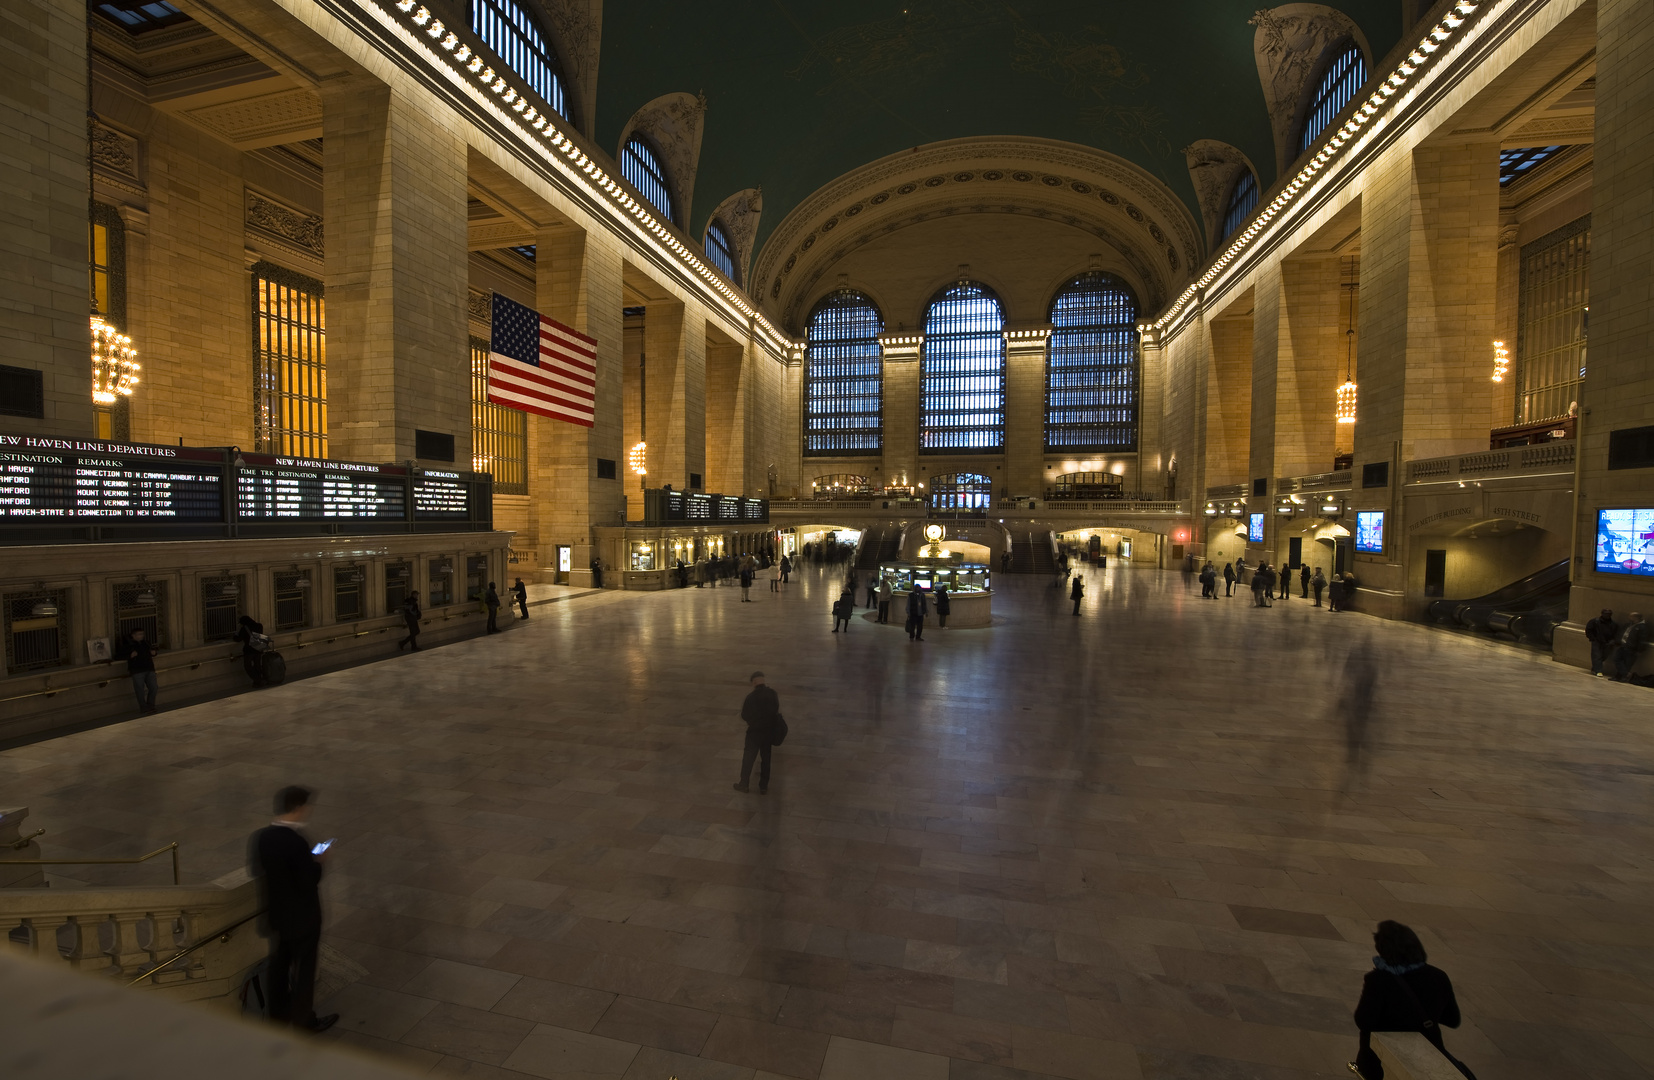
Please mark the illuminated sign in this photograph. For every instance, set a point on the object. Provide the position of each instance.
(1369, 531)
(70, 479)
(306, 489)
(1254, 530)
(1625, 542)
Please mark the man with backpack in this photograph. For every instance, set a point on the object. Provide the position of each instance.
(253, 647)
(1632, 641)
(765, 729)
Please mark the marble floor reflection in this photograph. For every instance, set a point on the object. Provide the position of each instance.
(1144, 842)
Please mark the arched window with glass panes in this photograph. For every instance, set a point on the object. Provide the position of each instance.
(514, 36)
(843, 377)
(719, 249)
(1091, 384)
(1243, 199)
(1340, 82)
(962, 378)
(642, 169)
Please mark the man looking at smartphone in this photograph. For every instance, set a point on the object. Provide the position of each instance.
(290, 871)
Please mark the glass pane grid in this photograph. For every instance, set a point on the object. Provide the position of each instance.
(1520, 162)
(1091, 392)
(499, 433)
(289, 369)
(1338, 87)
(508, 29)
(718, 249)
(1554, 309)
(640, 168)
(844, 396)
(962, 396)
(961, 491)
(36, 629)
(1242, 201)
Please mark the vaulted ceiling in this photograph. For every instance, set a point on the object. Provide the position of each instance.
(800, 92)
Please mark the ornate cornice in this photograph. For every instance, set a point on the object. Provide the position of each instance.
(285, 224)
(1289, 45)
(740, 214)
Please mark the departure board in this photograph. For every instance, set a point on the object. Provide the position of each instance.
(727, 507)
(755, 509)
(86, 480)
(441, 495)
(697, 507)
(305, 489)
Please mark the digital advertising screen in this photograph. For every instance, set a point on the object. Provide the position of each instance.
(1369, 531)
(1254, 530)
(1625, 541)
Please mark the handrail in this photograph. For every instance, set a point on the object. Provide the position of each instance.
(172, 847)
(23, 841)
(217, 935)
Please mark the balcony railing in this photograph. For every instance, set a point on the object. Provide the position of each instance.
(1541, 459)
(1328, 481)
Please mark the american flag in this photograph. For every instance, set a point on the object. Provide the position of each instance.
(540, 366)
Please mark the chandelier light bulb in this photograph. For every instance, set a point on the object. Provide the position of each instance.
(114, 363)
(1501, 361)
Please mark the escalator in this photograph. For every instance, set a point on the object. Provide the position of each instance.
(867, 554)
(1527, 610)
(1031, 554)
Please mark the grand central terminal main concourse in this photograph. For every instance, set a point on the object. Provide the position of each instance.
(1163, 499)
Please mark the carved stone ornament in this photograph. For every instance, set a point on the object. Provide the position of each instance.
(1215, 167)
(577, 29)
(114, 152)
(672, 125)
(479, 306)
(740, 213)
(283, 223)
(1289, 46)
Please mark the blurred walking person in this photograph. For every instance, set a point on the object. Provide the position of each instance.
(140, 665)
(491, 602)
(1076, 592)
(1601, 632)
(519, 596)
(762, 713)
(410, 618)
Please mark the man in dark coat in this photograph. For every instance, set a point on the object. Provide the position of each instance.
(1076, 592)
(1229, 579)
(1318, 583)
(917, 608)
(762, 712)
(519, 596)
(1601, 632)
(290, 874)
(140, 664)
(597, 572)
(250, 632)
(491, 601)
(1303, 580)
(410, 617)
(1633, 639)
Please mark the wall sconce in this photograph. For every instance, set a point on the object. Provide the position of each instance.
(114, 363)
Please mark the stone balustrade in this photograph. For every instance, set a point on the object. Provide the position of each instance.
(121, 933)
(1338, 480)
(1541, 459)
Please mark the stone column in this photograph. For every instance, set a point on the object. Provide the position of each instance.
(43, 228)
(394, 193)
(674, 350)
(901, 408)
(1618, 392)
(1025, 355)
(578, 283)
(728, 415)
(1153, 456)
(1229, 401)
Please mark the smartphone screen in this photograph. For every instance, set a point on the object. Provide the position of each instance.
(321, 847)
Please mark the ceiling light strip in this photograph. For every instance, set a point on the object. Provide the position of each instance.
(467, 68)
(1407, 72)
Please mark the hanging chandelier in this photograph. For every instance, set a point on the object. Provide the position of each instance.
(1501, 361)
(114, 363)
(1345, 408)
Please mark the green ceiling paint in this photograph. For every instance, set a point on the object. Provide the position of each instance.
(800, 92)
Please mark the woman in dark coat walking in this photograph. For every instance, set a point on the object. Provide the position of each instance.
(1076, 591)
(1403, 993)
(411, 615)
(942, 607)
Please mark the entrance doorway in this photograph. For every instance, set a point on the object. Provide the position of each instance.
(1435, 572)
(1294, 552)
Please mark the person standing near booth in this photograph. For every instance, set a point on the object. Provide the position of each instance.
(1077, 592)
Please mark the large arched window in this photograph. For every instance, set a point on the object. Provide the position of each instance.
(843, 372)
(1340, 83)
(1243, 199)
(962, 397)
(1091, 366)
(516, 39)
(641, 168)
(961, 491)
(719, 249)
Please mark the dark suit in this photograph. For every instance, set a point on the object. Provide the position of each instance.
(760, 710)
(290, 881)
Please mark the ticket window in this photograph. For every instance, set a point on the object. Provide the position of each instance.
(642, 556)
(565, 563)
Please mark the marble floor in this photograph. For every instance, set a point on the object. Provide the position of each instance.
(1139, 843)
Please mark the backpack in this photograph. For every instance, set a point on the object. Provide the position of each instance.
(778, 732)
